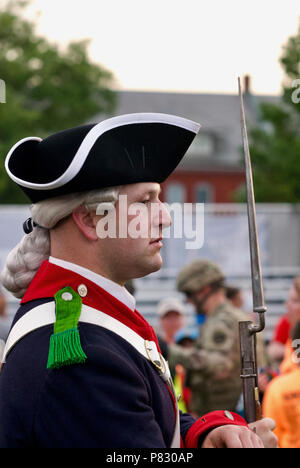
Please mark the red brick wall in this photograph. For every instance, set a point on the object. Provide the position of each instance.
(223, 184)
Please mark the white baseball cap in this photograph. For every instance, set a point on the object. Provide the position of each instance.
(170, 304)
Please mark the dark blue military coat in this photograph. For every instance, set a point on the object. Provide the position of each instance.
(115, 399)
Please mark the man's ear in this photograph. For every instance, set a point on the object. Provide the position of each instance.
(85, 221)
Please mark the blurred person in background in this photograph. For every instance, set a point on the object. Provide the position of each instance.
(235, 296)
(186, 338)
(213, 364)
(171, 319)
(171, 312)
(276, 348)
(279, 349)
(281, 401)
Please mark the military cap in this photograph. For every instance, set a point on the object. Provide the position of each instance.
(197, 275)
(143, 147)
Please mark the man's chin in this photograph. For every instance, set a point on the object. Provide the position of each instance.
(150, 267)
(157, 267)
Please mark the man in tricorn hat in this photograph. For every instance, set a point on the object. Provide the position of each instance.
(213, 365)
(82, 368)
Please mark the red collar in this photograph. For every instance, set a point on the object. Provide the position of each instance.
(50, 278)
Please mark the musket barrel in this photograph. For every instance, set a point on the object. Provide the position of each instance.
(248, 370)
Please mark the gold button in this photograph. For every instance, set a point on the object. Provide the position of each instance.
(82, 290)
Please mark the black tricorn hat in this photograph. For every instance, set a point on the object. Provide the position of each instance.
(144, 147)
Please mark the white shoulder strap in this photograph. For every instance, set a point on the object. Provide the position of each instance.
(38, 317)
(44, 314)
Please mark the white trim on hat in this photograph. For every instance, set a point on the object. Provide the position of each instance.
(91, 138)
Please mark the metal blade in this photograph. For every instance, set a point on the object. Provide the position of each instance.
(257, 286)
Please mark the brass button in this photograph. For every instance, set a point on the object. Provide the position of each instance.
(82, 290)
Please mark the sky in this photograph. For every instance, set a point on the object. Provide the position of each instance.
(172, 45)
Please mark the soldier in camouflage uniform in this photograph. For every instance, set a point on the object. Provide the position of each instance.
(213, 365)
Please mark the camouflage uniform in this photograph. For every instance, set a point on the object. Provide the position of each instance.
(213, 365)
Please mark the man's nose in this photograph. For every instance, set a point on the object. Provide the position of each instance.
(160, 219)
(165, 219)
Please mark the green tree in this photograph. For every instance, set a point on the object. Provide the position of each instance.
(275, 142)
(46, 89)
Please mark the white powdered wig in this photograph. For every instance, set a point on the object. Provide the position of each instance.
(25, 259)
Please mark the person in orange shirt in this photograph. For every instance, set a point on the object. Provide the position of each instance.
(282, 397)
(293, 316)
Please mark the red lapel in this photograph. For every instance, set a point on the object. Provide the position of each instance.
(51, 278)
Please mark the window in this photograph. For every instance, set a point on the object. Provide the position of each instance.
(175, 193)
(204, 193)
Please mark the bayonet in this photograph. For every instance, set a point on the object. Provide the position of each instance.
(248, 329)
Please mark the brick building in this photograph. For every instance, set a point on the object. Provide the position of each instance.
(213, 169)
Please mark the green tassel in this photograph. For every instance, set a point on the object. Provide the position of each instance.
(65, 347)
